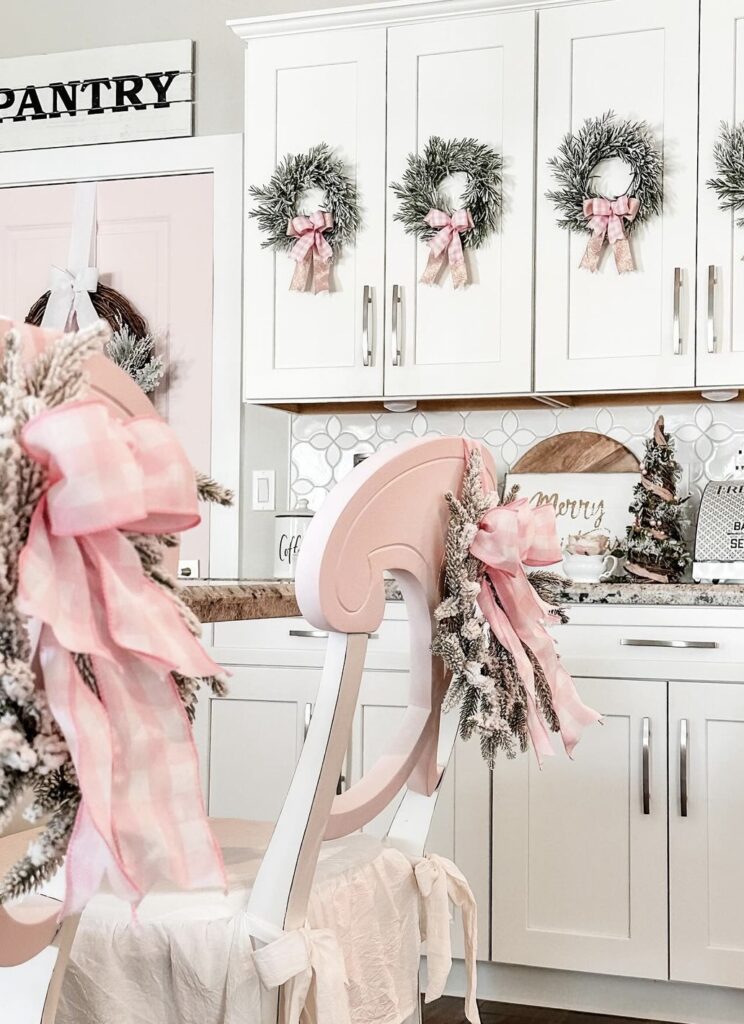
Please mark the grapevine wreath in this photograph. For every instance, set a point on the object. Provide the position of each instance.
(579, 206)
(425, 213)
(312, 240)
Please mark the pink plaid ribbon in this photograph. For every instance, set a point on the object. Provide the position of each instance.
(141, 819)
(605, 218)
(510, 536)
(311, 249)
(447, 243)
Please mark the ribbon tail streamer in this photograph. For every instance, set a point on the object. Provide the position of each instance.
(321, 274)
(301, 274)
(623, 255)
(433, 268)
(590, 259)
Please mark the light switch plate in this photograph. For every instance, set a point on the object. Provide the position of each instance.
(188, 569)
(264, 489)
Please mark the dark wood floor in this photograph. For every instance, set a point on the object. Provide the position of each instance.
(449, 1011)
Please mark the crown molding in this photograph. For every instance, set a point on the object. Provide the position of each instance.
(383, 13)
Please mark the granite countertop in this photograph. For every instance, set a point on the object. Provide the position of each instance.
(233, 600)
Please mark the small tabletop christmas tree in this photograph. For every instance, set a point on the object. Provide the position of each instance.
(656, 552)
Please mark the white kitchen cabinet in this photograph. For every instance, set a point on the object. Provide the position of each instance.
(255, 739)
(302, 90)
(720, 350)
(706, 832)
(468, 77)
(579, 854)
(604, 331)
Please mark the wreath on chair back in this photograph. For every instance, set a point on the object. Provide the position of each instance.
(425, 213)
(311, 240)
(577, 202)
(728, 154)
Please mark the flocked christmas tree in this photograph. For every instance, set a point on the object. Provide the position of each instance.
(656, 551)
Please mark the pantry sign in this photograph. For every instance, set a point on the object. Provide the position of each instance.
(113, 94)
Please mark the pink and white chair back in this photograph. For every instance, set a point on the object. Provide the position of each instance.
(34, 949)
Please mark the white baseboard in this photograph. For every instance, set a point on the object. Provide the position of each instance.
(600, 993)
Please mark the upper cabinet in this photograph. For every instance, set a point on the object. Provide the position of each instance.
(469, 77)
(377, 95)
(606, 331)
(720, 350)
(301, 91)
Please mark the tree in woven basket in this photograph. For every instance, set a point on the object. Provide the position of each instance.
(656, 551)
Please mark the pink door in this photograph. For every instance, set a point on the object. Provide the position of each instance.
(154, 244)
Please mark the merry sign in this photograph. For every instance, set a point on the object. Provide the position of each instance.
(113, 94)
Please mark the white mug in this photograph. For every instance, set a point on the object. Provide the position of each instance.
(589, 568)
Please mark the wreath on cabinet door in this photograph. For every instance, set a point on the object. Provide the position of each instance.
(312, 240)
(579, 205)
(425, 213)
(728, 154)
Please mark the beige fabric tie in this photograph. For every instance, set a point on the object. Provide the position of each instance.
(439, 881)
(293, 959)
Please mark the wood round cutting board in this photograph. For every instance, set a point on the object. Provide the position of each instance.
(578, 451)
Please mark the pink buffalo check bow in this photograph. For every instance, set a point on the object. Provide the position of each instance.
(141, 819)
(311, 249)
(606, 218)
(447, 244)
(510, 536)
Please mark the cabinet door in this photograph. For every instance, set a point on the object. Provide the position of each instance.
(610, 331)
(706, 845)
(300, 91)
(720, 356)
(255, 739)
(468, 77)
(579, 867)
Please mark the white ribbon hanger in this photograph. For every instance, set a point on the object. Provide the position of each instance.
(70, 288)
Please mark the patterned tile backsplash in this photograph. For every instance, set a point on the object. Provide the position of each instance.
(709, 437)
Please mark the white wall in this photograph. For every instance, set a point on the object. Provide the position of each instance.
(46, 26)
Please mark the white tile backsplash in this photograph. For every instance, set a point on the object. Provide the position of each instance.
(708, 437)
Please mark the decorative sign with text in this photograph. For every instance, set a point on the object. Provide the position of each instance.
(583, 502)
(114, 94)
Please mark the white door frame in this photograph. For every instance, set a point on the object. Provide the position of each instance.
(221, 156)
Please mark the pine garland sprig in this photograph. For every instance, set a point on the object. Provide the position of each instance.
(601, 138)
(728, 153)
(136, 356)
(419, 190)
(281, 198)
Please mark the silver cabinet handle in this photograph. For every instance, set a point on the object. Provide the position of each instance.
(395, 325)
(646, 765)
(701, 645)
(684, 743)
(319, 634)
(308, 719)
(712, 282)
(676, 329)
(366, 339)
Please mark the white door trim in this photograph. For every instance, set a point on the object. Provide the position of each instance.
(222, 156)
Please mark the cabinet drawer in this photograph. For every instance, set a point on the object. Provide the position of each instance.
(668, 645)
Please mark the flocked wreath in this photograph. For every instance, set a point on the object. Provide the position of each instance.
(728, 154)
(425, 212)
(312, 240)
(578, 204)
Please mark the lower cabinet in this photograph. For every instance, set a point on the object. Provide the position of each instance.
(579, 847)
(706, 833)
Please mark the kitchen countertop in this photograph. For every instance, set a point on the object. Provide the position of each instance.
(234, 600)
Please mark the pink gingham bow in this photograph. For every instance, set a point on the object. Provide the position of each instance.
(510, 536)
(447, 242)
(606, 218)
(311, 249)
(141, 819)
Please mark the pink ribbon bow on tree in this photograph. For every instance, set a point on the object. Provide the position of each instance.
(606, 218)
(447, 244)
(141, 819)
(510, 536)
(311, 249)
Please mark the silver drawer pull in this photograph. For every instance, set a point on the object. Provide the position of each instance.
(646, 765)
(395, 326)
(712, 282)
(700, 645)
(308, 720)
(320, 634)
(676, 328)
(684, 748)
(366, 341)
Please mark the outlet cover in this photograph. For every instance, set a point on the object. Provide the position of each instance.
(264, 489)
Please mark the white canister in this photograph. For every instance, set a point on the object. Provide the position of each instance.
(289, 529)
